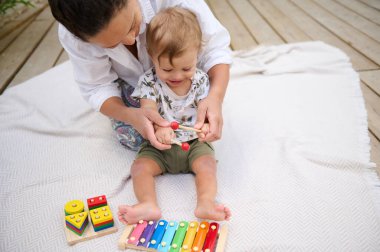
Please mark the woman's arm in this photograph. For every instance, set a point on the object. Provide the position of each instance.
(142, 119)
(210, 108)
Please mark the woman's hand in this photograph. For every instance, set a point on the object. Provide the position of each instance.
(142, 120)
(209, 110)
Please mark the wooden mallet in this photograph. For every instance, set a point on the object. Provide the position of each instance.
(184, 146)
(175, 125)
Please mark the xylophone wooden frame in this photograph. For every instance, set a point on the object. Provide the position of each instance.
(123, 240)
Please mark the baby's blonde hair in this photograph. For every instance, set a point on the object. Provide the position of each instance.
(171, 32)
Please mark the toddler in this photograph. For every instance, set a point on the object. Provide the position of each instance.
(174, 87)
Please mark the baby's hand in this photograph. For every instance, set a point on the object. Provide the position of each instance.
(164, 134)
(205, 130)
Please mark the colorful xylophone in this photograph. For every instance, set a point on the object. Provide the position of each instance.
(173, 236)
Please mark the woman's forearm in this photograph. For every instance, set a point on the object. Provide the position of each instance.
(115, 108)
(219, 76)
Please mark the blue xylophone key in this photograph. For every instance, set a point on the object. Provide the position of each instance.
(168, 237)
(158, 234)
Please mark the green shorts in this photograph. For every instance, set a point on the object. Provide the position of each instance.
(175, 160)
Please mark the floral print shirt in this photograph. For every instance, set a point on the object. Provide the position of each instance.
(171, 106)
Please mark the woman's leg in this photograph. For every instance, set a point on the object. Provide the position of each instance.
(126, 134)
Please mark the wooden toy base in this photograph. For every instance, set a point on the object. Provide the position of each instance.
(88, 234)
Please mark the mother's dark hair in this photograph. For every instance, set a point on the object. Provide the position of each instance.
(85, 18)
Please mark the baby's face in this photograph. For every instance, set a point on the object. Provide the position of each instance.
(178, 74)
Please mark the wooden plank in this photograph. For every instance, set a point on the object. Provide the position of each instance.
(63, 57)
(7, 40)
(375, 152)
(372, 3)
(30, 13)
(371, 78)
(42, 59)
(252, 20)
(288, 30)
(240, 36)
(372, 102)
(18, 52)
(362, 9)
(365, 26)
(318, 32)
(350, 35)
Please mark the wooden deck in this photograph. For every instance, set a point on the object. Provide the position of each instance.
(29, 44)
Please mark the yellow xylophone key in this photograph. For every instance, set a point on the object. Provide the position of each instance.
(190, 235)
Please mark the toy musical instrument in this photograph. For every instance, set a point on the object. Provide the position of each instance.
(174, 236)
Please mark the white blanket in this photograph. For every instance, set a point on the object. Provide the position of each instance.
(293, 160)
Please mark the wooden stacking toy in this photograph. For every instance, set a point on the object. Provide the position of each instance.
(77, 224)
(174, 236)
(76, 218)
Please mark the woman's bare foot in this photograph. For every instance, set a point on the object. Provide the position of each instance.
(142, 211)
(212, 211)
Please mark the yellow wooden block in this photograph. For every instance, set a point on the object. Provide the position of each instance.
(74, 206)
(101, 214)
(77, 219)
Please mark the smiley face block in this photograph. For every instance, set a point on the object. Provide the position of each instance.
(101, 218)
(96, 202)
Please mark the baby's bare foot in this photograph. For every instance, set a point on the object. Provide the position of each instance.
(142, 211)
(212, 211)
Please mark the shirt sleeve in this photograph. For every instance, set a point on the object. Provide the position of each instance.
(145, 88)
(92, 69)
(216, 38)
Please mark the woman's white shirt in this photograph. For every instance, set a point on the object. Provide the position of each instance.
(96, 68)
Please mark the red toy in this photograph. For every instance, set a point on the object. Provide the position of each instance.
(175, 125)
(184, 146)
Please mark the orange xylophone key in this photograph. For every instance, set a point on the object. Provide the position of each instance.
(200, 237)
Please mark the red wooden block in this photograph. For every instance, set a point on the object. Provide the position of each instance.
(97, 201)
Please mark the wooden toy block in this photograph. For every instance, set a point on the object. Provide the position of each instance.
(101, 215)
(101, 218)
(77, 222)
(80, 229)
(171, 236)
(96, 202)
(73, 207)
